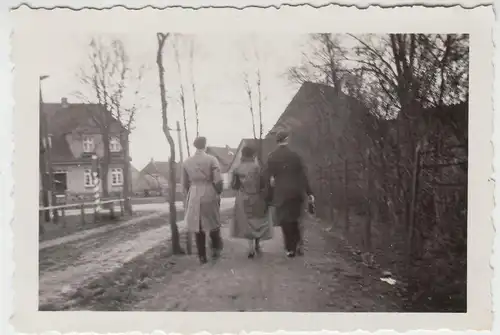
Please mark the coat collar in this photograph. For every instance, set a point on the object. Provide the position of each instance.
(200, 152)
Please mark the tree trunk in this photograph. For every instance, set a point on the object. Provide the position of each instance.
(176, 246)
(126, 174)
(105, 162)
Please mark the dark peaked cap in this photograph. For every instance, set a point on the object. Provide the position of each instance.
(281, 136)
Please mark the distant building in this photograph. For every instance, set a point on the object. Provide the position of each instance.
(156, 175)
(139, 183)
(74, 138)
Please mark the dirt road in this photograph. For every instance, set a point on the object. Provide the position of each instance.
(71, 262)
(324, 280)
(131, 269)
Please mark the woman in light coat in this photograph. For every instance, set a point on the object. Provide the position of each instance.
(250, 220)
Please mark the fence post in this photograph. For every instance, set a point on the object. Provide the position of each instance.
(82, 213)
(346, 202)
(63, 216)
(111, 210)
(414, 195)
(95, 213)
(330, 189)
(368, 224)
(121, 208)
(41, 215)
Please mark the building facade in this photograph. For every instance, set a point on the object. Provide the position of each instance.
(74, 139)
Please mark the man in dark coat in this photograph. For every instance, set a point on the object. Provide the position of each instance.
(290, 186)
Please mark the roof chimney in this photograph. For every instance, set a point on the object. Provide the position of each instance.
(64, 102)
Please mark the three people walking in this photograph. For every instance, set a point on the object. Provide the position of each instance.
(284, 180)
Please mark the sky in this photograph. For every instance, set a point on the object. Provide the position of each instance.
(218, 65)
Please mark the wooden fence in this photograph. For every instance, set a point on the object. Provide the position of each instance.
(401, 222)
(60, 212)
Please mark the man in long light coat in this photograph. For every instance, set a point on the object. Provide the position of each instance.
(202, 184)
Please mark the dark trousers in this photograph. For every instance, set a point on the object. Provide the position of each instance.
(291, 234)
(215, 242)
(300, 243)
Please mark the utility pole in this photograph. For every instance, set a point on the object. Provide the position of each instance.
(43, 153)
(47, 143)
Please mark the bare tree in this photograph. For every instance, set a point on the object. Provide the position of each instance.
(176, 246)
(258, 82)
(193, 88)
(182, 95)
(323, 63)
(110, 77)
(254, 91)
(248, 91)
(157, 185)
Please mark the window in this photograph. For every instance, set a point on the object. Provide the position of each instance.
(87, 178)
(116, 177)
(114, 145)
(88, 144)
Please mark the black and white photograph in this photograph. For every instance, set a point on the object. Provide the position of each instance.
(256, 171)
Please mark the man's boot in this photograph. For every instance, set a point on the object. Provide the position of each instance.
(215, 243)
(200, 245)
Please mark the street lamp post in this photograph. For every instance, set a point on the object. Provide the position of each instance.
(42, 157)
(46, 165)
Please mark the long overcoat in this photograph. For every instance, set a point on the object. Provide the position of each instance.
(200, 175)
(291, 184)
(251, 220)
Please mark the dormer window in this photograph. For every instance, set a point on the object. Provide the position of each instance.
(114, 145)
(88, 144)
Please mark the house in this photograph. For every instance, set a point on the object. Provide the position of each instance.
(315, 112)
(156, 175)
(328, 127)
(74, 138)
(138, 181)
(320, 121)
(225, 156)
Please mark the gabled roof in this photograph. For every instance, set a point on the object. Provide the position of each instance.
(61, 151)
(224, 155)
(64, 118)
(312, 98)
(162, 168)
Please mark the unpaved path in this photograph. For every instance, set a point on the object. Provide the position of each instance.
(72, 263)
(324, 280)
(159, 208)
